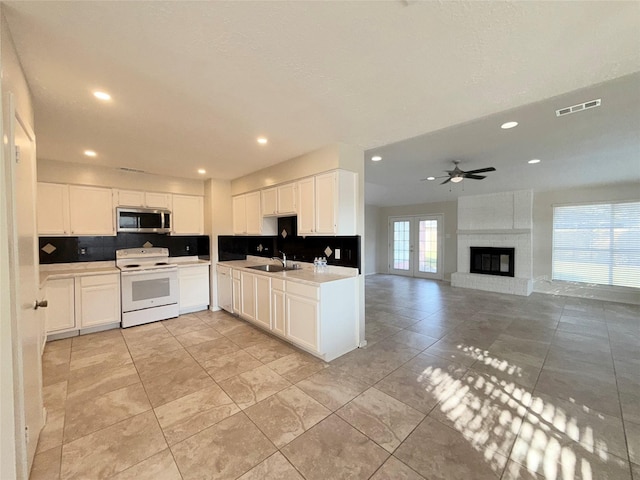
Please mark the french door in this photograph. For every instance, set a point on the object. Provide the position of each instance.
(415, 246)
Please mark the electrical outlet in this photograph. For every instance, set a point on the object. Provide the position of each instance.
(337, 254)
(83, 251)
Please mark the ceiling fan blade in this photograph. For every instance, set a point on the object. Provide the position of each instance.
(475, 177)
(481, 170)
(446, 181)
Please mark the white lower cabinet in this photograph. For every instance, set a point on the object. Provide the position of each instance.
(236, 291)
(278, 314)
(263, 301)
(321, 319)
(256, 299)
(82, 303)
(60, 313)
(225, 288)
(194, 287)
(302, 317)
(97, 300)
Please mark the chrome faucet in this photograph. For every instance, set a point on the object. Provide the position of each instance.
(283, 259)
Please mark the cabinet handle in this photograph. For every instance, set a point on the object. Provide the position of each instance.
(40, 304)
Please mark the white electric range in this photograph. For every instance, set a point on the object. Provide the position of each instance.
(149, 285)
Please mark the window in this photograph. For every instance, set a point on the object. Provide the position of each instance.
(597, 243)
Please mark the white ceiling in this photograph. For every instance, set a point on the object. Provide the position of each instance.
(194, 83)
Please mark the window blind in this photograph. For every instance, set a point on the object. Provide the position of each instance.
(597, 243)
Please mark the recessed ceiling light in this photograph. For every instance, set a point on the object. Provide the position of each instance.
(431, 178)
(262, 140)
(202, 171)
(102, 95)
(376, 158)
(535, 160)
(508, 125)
(90, 153)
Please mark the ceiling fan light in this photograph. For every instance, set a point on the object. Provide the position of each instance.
(456, 179)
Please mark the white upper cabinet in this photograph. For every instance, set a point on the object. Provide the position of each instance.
(327, 204)
(91, 211)
(278, 201)
(269, 201)
(307, 206)
(247, 216)
(129, 198)
(240, 215)
(74, 210)
(134, 198)
(53, 209)
(187, 215)
(287, 199)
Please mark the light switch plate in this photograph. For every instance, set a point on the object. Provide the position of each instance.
(337, 254)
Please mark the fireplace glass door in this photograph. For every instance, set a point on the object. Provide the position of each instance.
(415, 246)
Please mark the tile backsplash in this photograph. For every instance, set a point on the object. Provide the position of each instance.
(303, 249)
(95, 249)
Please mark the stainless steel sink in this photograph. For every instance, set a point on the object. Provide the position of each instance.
(270, 268)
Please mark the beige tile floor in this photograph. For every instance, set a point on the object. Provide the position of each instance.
(454, 384)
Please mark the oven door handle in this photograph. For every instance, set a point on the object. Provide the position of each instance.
(147, 272)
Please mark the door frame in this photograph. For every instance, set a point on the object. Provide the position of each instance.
(414, 233)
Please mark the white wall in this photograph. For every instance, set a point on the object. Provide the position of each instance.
(450, 212)
(11, 421)
(217, 221)
(318, 161)
(95, 175)
(371, 221)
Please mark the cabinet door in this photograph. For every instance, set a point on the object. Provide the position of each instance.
(157, 200)
(248, 300)
(269, 202)
(236, 295)
(263, 301)
(306, 206)
(130, 198)
(224, 289)
(53, 209)
(278, 312)
(287, 199)
(91, 211)
(60, 314)
(194, 288)
(253, 213)
(326, 203)
(239, 215)
(302, 321)
(97, 300)
(188, 215)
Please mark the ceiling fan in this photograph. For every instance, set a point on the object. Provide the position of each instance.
(456, 175)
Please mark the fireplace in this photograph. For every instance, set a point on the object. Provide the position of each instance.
(492, 261)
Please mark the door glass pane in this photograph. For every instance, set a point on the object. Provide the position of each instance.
(401, 245)
(428, 246)
(150, 289)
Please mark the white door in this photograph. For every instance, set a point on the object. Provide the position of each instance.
(415, 246)
(29, 333)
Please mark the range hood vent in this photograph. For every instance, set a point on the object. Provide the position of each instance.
(578, 108)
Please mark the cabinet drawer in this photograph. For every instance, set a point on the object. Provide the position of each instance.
(100, 280)
(236, 274)
(303, 290)
(223, 270)
(277, 284)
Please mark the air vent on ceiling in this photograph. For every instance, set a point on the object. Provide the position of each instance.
(578, 108)
(134, 170)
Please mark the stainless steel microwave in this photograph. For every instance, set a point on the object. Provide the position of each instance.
(143, 220)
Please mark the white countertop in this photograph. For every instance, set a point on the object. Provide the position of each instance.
(303, 275)
(81, 269)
